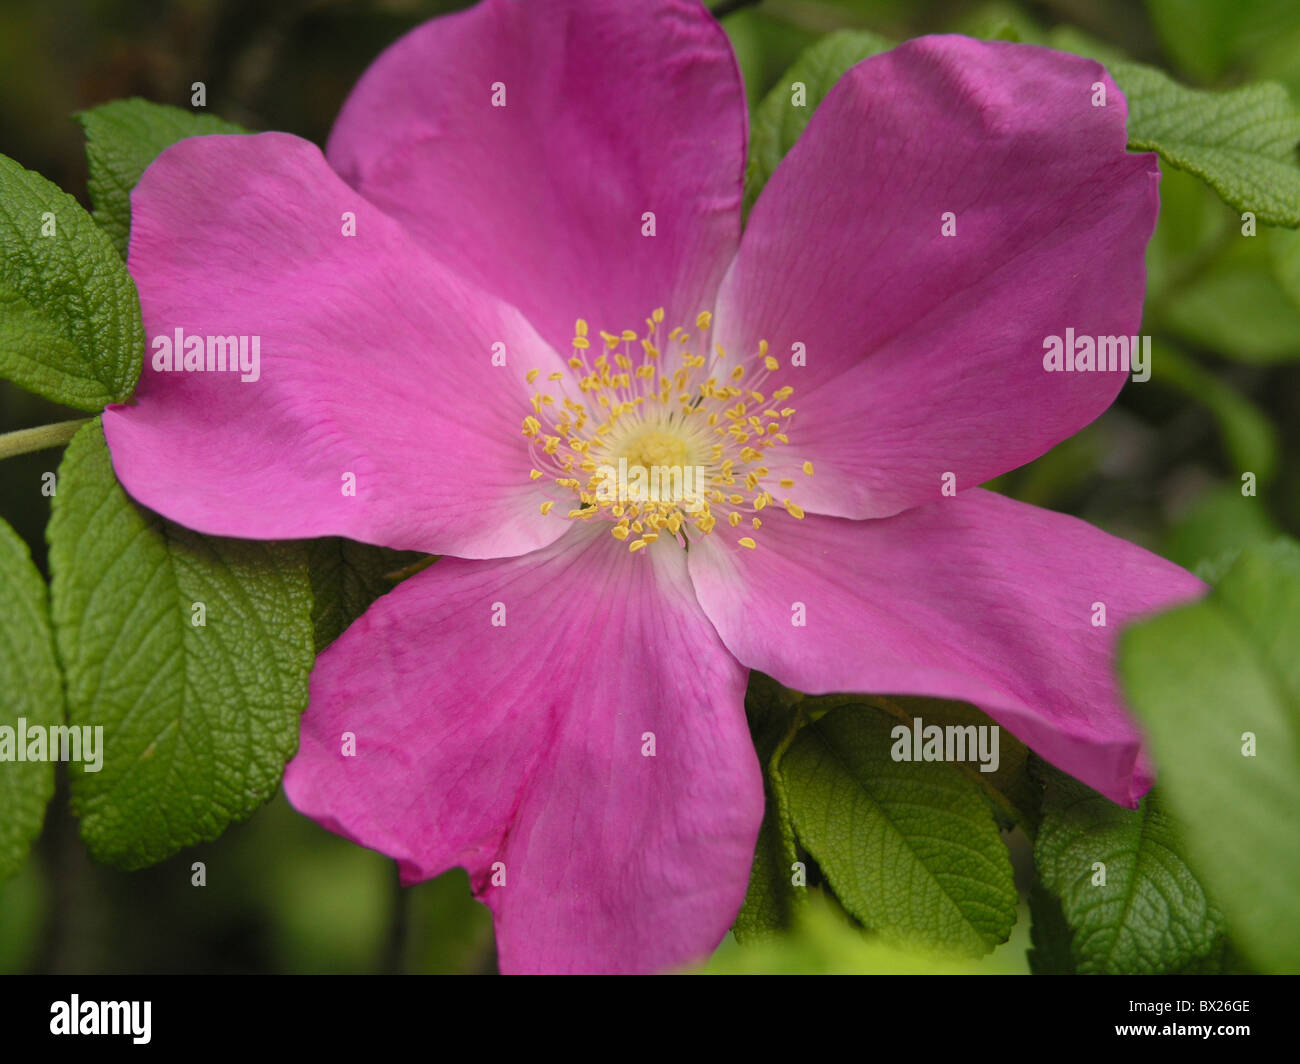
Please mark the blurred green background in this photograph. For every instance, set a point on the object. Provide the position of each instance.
(1163, 467)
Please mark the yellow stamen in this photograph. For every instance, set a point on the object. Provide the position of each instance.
(623, 453)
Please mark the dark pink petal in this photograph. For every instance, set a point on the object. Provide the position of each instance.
(612, 110)
(925, 352)
(375, 361)
(522, 744)
(977, 598)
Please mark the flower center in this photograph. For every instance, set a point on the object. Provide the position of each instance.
(656, 445)
(655, 451)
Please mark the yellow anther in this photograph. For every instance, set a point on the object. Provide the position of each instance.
(793, 510)
(746, 541)
(686, 420)
(756, 523)
(786, 482)
(771, 363)
(808, 468)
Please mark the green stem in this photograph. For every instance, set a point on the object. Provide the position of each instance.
(24, 441)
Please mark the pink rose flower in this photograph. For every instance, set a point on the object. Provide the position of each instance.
(517, 167)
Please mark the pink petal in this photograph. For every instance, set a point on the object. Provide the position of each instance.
(375, 361)
(978, 598)
(522, 744)
(925, 352)
(612, 110)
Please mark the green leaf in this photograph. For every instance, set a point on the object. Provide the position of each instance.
(1249, 436)
(1207, 37)
(910, 848)
(346, 577)
(69, 315)
(1284, 250)
(1013, 796)
(1242, 142)
(824, 942)
(1206, 680)
(771, 900)
(778, 123)
(1194, 225)
(1066, 38)
(198, 720)
(1235, 307)
(998, 21)
(122, 139)
(29, 676)
(1221, 521)
(1050, 933)
(1151, 915)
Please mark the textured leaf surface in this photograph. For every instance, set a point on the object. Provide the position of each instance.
(771, 900)
(1241, 142)
(1150, 916)
(122, 138)
(31, 689)
(1201, 679)
(910, 848)
(198, 720)
(70, 325)
(346, 577)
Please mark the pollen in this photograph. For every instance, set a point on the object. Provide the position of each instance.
(656, 435)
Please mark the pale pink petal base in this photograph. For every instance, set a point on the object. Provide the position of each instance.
(520, 751)
(977, 598)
